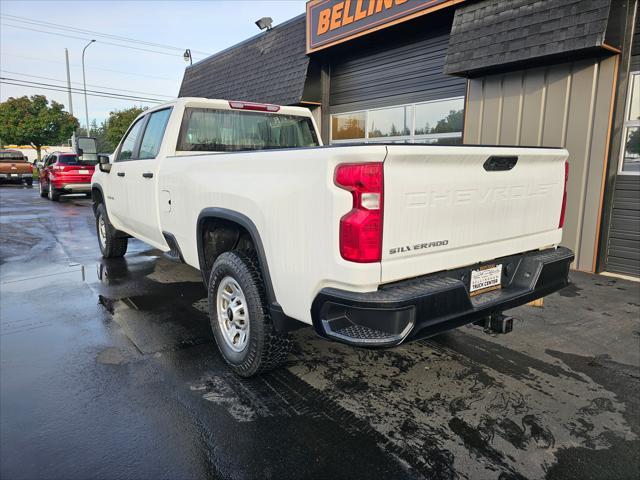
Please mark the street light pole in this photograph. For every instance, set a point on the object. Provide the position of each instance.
(84, 81)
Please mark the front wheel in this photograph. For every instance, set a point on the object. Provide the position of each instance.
(43, 191)
(111, 246)
(240, 317)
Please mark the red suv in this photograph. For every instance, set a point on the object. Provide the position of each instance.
(64, 173)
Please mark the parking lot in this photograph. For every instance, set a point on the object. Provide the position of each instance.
(109, 370)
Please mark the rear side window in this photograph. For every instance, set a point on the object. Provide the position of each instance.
(153, 134)
(12, 157)
(210, 130)
(129, 143)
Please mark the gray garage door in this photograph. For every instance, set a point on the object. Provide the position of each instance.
(623, 247)
(403, 69)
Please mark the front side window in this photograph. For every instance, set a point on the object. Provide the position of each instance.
(211, 130)
(129, 143)
(153, 134)
(630, 161)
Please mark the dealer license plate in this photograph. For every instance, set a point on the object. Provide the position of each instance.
(83, 172)
(485, 279)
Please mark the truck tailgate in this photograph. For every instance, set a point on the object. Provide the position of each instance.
(452, 206)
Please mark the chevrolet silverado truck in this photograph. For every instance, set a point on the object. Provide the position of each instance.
(372, 244)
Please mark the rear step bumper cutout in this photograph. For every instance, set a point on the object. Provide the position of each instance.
(426, 306)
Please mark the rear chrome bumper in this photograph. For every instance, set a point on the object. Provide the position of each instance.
(426, 306)
(75, 187)
(15, 176)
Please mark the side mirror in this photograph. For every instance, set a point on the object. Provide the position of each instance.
(103, 163)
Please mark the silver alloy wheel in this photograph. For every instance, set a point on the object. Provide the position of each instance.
(233, 317)
(102, 231)
(50, 191)
(40, 186)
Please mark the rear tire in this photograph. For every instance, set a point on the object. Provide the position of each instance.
(238, 311)
(53, 193)
(29, 182)
(111, 246)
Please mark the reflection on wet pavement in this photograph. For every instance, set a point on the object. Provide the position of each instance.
(109, 370)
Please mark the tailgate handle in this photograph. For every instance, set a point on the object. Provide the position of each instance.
(498, 163)
(121, 174)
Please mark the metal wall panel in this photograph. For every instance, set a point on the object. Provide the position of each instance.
(566, 105)
(623, 247)
(383, 74)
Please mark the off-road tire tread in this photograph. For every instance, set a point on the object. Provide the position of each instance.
(115, 247)
(268, 348)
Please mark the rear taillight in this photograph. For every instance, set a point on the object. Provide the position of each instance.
(361, 228)
(564, 197)
(257, 107)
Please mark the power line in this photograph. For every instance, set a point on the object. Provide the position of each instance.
(89, 84)
(22, 27)
(56, 88)
(92, 67)
(41, 23)
(80, 90)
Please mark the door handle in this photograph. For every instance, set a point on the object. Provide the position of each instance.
(147, 175)
(497, 163)
(121, 174)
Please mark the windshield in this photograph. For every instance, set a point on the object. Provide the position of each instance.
(12, 157)
(209, 130)
(73, 160)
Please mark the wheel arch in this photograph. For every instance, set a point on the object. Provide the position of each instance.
(280, 320)
(97, 196)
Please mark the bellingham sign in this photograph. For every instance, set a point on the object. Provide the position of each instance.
(330, 22)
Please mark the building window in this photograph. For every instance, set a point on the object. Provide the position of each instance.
(630, 158)
(349, 126)
(389, 122)
(437, 122)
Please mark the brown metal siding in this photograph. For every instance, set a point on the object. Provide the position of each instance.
(567, 105)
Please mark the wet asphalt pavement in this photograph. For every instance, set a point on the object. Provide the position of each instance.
(108, 370)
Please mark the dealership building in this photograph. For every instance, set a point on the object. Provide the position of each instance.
(562, 73)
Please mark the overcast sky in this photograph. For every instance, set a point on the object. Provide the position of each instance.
(205, 26)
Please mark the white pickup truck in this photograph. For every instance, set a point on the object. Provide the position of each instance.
(373, 245)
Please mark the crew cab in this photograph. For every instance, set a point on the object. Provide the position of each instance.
(15, 167)
(372, 244)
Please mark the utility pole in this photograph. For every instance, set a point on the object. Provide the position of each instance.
(84, 81)
(66, 56)
(73, 135)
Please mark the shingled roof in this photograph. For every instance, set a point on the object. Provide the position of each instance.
(270, 67)
(498, 32)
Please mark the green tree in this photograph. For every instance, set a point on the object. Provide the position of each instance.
(633, 142)
(118, 123)
(451, 123)
(33, 121)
